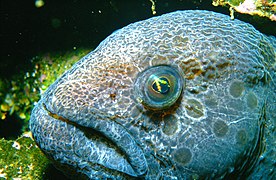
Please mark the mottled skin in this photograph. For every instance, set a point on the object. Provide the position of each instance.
(91, 123)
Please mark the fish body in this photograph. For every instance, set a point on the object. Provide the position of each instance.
(178, 96)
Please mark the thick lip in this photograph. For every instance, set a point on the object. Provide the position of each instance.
(135, 163)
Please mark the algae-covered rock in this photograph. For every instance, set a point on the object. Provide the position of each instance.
(19, 93)
(21, 159)
(264, 8)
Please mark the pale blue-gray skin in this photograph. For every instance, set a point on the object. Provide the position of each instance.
(91, 122)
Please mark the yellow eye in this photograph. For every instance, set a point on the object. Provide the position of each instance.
(158, 87)
(161, 85)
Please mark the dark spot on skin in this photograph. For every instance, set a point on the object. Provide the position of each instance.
(170, 125)
(194, 108)
(236, 89)
(220, 128)
(211, 101)
(241, 137)
(252, 101)
(182, 156)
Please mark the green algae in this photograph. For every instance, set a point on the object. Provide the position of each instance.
(262, 8)
(19, 93)
(21, 159)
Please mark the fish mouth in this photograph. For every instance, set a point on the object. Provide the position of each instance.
(114, 147)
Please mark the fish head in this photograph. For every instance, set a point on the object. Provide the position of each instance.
(177, 96)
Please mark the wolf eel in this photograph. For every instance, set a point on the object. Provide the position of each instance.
(184, 95)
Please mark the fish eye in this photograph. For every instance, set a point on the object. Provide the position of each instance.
(161, 85)
(158, 87)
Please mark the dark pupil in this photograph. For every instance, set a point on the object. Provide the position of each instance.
(161, 85)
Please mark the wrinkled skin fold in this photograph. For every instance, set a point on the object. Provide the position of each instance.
(92, 123)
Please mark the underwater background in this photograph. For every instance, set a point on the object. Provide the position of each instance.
(41, 39)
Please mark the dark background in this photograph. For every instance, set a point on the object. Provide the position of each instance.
(61, 25)
(27, 31)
